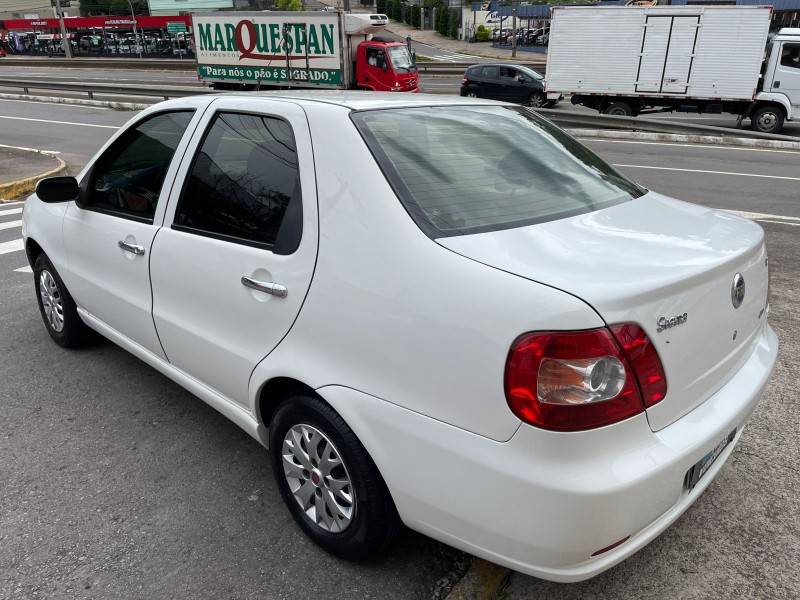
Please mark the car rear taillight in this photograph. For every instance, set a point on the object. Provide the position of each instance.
(576, 380)
(642, 356)
(464, 81)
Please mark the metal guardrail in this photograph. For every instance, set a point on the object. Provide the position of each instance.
(108, 89)
(188, 64)
(565, 118)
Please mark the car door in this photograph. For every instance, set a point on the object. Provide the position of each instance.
(513, 90)
(490, 83)
(787, 75)
(232, 265)
(109, 231)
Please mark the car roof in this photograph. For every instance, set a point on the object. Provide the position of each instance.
(503, 64)
(365, 100)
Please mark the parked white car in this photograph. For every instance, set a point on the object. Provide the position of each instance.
(438, 311)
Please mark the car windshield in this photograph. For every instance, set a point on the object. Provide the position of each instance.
(530, 72)
(471, 169)
(401, 58)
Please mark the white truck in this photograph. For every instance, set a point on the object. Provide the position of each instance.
(709, 59)
(321, 49)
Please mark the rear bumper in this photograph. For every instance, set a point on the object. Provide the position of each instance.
(543, 502)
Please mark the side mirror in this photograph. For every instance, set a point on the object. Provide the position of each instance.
(58, 189)
(521, 78)
(384, 66)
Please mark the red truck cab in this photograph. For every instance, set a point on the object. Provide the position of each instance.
(385, 66)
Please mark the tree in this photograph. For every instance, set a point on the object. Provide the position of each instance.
(295, 5)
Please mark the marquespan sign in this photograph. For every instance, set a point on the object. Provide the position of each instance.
(271, 48)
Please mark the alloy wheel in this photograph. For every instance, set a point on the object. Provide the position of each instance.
(51, 301)
(318, 478)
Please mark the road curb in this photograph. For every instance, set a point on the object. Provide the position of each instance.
(482, 581)
(714, 140)
(79, 101)
(14, 189)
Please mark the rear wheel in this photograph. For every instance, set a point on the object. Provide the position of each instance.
(328, 480)
(57, 307)
(767, 119)
(472, 94)
(537, 100)
(618, 109)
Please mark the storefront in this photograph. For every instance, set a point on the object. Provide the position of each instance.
(166, 36)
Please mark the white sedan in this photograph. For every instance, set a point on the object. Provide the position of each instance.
(435, 311)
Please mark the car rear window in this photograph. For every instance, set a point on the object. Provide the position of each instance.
(471, 169)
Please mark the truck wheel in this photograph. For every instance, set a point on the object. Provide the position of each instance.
(767, 119)
(618, 109)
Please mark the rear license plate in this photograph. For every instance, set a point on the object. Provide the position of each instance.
(702, 466)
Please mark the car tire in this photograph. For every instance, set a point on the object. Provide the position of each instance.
(307, 438)
(767, 119)
(550, 103)
(618, 109)
(57, 307)
(537, 100)
(471, 94)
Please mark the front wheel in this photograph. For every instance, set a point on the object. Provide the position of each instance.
(537, 100)
(767, 119)
(328, 480)
(58, 310)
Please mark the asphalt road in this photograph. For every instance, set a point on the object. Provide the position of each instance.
(119, 484)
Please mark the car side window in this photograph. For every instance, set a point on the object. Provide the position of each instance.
(508, 73)
(376, 58)
(244, 184)
(491, 72)
(126, 180)
(790, 56)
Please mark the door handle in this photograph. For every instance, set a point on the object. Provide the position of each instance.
(776, 84)
(132, 248)
(268, 287)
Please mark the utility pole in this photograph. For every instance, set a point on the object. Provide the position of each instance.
(136, 35)
(514, 28)
(64, 39)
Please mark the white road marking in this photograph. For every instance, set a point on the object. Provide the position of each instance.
(59, 103)
(709, 172)
(30, 149)
(25, 269)
(759, 216)
(15, 203)
(9, 211)
(10, 224)
(12, 246)
(678, 145)
(778, 222)
(49, 122)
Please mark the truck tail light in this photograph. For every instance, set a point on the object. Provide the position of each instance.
(577, 380)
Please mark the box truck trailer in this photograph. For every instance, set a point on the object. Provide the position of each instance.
(327, 50)
(707, 59)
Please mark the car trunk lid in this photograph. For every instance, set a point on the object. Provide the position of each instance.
(667, 265)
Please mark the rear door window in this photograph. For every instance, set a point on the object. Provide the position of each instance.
(466, 169)
(244, 184)
(491, 72)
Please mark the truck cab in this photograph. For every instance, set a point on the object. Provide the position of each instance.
(781, 82)
(385, 66)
